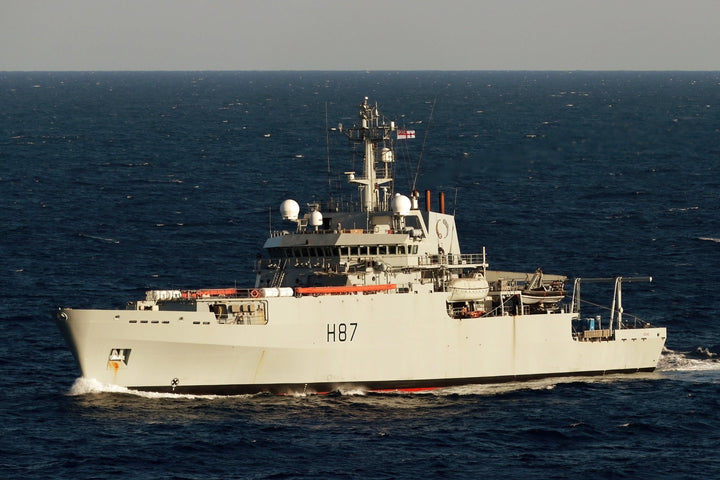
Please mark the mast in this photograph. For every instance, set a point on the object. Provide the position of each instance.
(617, 295)
(371, 133)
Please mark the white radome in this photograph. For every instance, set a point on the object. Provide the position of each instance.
(289, 209)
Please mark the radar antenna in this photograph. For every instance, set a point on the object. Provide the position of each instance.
(370, 133)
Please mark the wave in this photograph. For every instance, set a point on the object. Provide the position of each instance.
(710, 239)
(102, 239)
(492, 389)
(91, 386)
(700, 359)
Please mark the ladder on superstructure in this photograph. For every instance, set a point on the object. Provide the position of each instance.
(279, 274)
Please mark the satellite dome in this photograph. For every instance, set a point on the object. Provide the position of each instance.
(316, 219)
(289, 210)
(400, 205)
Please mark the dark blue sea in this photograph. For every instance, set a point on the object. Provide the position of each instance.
(115, 183)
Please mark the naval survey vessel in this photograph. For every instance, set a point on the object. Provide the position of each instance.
(375, 296)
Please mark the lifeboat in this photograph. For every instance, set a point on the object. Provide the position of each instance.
(542, 295)
(466, 289)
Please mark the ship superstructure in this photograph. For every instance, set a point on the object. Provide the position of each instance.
(377, 296)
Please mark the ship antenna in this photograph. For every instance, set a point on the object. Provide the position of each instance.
(422, 149)
(327, 146)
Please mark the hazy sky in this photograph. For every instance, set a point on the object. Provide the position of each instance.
(359, 35)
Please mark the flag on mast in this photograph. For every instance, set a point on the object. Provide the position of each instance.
(405, 134)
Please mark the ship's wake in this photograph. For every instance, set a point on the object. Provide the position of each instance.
(700, 359)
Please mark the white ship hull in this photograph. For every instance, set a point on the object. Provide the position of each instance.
(380, 341)
(378, 296)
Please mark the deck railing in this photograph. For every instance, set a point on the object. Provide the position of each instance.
(469, 259)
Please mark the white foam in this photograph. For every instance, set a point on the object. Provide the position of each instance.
(672, 361)
(501, 388)
(549, 383)
(84, 386)
(353, 391)
(710, 239)
(94, 237)
(90, 386)
(669, 361)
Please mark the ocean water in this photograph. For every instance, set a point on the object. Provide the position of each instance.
(115, 183)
